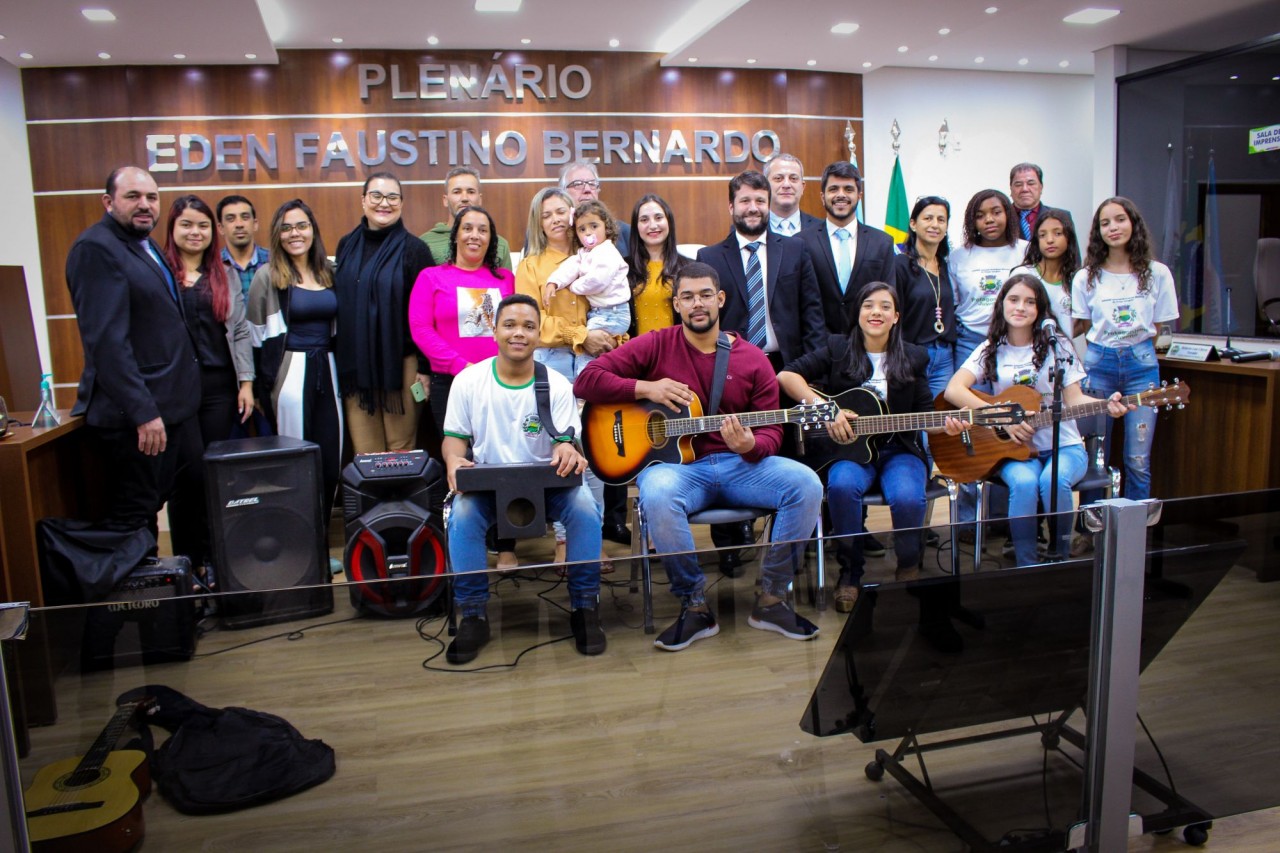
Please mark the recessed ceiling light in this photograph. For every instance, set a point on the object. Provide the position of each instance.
(693, 59)
(866, 65)
(526, 41)
(812, 62)
(751, 62)
(1063, 64)
(845, 28)
(1023, 61)
(432, 40)
(1277, 77)
(99, 15)
(1235, 76)
(991, 10)
(979, 59)
(1091, 16)
(179, 56)
(1, 38)
(902, 48)
(945, 31)
(497, 5)
(933, 58)
(251, 56)
(104, 55)
(26, 56)
(614, 42)
(336, 40)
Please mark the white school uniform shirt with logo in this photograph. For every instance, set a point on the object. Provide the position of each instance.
(1121, 316)
(501, 421)
(977, 274)
(1016, 366)
(1059, 301)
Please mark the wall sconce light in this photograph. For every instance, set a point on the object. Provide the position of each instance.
(944, 138)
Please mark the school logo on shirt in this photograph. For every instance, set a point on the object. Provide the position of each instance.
(989, 284)
(1123, 315)
(531, 426)
(1024, 376)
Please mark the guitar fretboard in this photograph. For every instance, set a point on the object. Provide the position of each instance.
(87, 770)
(1044, 417)
(673, 427)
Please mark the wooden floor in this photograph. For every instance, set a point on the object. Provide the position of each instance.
(634, 750)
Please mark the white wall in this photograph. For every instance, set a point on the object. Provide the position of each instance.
(998, 119)
(19, 245)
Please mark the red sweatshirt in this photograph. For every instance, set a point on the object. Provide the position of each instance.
(749, 386)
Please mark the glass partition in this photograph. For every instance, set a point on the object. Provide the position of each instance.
(534, 746)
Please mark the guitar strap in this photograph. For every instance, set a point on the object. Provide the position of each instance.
(542, 393)
(721, 371)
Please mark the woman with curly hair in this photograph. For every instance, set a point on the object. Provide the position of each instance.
(991, 249)
(1117, 301)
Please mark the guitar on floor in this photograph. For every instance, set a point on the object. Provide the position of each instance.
(94, 802)
(874, 423)
(975, 454)
(622, 439)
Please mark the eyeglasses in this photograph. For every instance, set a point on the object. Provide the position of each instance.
(694, 298)
(392, 199)
(301, 227)
(582, 185)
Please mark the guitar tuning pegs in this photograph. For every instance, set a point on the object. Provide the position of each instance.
(1168, 407)
(1181, 405)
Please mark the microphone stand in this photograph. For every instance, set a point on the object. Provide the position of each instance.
(1228, 351)
(1061, 359)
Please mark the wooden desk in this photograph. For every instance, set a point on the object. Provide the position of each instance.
(1227, 439)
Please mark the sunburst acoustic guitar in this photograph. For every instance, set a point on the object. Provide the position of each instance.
(93, 802)
(975, 454)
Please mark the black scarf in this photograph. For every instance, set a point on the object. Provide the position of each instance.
(371, 304)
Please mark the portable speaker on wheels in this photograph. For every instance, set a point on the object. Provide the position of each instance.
(393, 529)
(267, 529)
(145, 619)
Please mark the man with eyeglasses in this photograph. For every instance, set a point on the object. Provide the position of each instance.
(461, 189)
(582, 182)
(736, 466)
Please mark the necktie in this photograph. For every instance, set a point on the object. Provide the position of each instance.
(755, 297)
(844, 264)
(164, 269)
(1024, 220)
(791, 226)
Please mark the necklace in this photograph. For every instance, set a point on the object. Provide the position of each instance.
(935, 284)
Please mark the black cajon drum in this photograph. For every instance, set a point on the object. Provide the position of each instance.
(519, 494)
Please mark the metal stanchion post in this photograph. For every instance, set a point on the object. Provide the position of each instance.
(13, 626)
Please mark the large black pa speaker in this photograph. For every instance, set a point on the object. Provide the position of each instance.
(268, 529)
(395, 549)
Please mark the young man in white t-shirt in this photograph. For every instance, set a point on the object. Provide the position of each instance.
(493, 410)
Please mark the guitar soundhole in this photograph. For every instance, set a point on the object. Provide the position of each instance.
(72, 782)
(656, 428)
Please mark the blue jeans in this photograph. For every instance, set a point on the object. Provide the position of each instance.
(1029, 485)
(669, 493)
(563, 360)
(474, 513)
(902, 477)
(1128, 370)
(942, 366)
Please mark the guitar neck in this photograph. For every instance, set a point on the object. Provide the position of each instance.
(712, 423)
(1070, 413)
(908, 421)
(105, 742)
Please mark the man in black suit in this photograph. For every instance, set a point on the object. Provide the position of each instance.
(770, 298)
(140, 388)
(846, 253)
(786, 184)
(1026, 183)
(789, 323)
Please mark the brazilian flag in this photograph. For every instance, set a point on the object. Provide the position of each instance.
(897, 213)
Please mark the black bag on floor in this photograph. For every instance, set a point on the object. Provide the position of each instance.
(226, 759)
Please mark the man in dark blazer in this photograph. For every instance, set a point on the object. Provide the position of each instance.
(870, 250)
(1026, 183)
(140, 388)
(786, 187)
(794, 323)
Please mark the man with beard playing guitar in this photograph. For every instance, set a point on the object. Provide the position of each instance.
(737, 466)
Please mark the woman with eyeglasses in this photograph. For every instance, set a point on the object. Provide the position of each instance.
(924, 283)
(378, 362)
(292, 312)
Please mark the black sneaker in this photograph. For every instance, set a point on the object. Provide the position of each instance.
(588, 636)
(872, 547)
(473, 633)
(691, 625)
(782, 619)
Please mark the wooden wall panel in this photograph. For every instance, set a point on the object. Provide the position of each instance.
(85, 121)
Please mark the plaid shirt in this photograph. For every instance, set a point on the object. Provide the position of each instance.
(260, 256)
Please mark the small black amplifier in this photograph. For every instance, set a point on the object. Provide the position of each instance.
(148, 618)
(394, 464)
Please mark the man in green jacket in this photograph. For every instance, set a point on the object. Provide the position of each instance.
(461, 189)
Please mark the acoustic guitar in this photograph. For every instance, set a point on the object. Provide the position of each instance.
(94, 802)
(622, 439)
(874, 423)
(975, 454)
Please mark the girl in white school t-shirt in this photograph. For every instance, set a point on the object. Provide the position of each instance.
(978, 268)
(1018, 351)
(1117, 301)
(1053, 256)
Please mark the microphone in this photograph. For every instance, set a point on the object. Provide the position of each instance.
(1264, 355)
(1051, 329)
